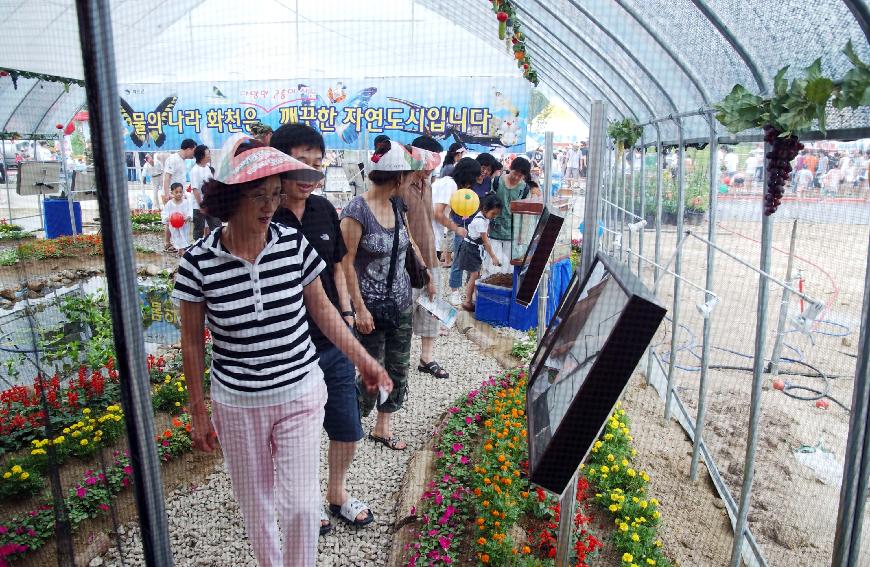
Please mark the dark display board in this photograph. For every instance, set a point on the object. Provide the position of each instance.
(537, 254)
(589, 351)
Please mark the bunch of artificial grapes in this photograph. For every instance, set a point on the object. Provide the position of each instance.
(783, 150)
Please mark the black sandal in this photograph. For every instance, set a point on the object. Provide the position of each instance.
(434, 369)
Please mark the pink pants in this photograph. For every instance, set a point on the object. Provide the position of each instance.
(273, 457)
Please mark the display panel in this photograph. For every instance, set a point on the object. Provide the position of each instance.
(587, 355)
(537, 255)
(38, 178)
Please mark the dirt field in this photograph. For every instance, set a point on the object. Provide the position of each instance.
(793, 513)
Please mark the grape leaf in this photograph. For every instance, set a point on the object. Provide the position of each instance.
(849, 51)
(740, 110)
(819, 90)
(780, 83)
(814, 71)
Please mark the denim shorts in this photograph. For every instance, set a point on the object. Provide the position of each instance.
(341, 419)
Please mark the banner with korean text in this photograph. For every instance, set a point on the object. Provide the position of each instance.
(485, 114)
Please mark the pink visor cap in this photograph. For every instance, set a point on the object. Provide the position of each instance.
(257, 163)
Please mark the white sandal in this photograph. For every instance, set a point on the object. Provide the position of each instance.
(348, 512)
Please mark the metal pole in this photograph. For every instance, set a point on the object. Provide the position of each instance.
(708, 320)
(631, 208)
(65, 184)
(6, 182)
(658, 221)
(98, 57)
(783, 306)
(622, 200)
(678, 268)
(847, 539)
(544, 284)
(642, 191)
(757, 372)
(597, 133)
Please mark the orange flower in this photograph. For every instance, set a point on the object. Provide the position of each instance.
(527, 549)
(477, 492)
(176, 422)
(480, 521)
(484, 558)
(524, 494)
(501, 458)
(481, 541)
(167, 434)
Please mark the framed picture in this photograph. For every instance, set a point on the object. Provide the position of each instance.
(584, 361)
(537, 254)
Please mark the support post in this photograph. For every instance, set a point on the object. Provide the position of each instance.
(65, 184)
(850, 515)
(621, 203)
(678, 269)
(631, 209)
(757, 372)
(98, 57)
(597, 133)
(775, 356)
(6, 183)
(544, 284)
(701, 416)
(658, 242)
(642, 191)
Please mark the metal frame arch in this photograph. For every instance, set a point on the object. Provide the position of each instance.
(861, 13)
(539, 24)
(47, 110)
(17, 106)
(546, 58)
(573, 103)
(732, 40)
(696, 81)
(653, 77)
(625, 105)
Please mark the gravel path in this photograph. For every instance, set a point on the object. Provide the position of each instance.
(206, 527)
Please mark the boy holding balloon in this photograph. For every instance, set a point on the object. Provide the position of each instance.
(176, 213)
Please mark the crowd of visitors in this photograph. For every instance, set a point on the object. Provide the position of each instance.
(313, 312)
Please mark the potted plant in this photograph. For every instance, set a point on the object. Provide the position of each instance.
(697, 196)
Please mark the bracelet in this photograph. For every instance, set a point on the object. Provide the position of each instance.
(348, 314)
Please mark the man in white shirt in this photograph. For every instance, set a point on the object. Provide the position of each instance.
(175, 171)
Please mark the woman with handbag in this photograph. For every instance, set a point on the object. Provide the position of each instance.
(377, 240)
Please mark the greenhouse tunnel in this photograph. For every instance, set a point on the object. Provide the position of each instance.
(776, 487)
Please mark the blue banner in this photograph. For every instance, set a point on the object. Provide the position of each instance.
(485, 114)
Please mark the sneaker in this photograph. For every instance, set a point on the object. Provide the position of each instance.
(455, 298)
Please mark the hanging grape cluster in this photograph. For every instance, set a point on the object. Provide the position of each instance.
(783, 150)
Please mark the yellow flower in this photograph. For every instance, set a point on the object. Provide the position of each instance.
(631, 473)
(7, 474)
(658, 543)
(86, 411)
(615, 468)
(167, 379)
(83, 442)
(178, 404)
(608, 436)
(624, 462)
(643, 504)
(25, 475)
(650, 561)
(623, 527)
(656, 515)
(16, 469)
(627, 557)
(59, 439)
(614, 507)
(605, 469)
(37, 452)
(644, 476)
(654, 501)
(610, 458)
(635, 537)
(66, 430)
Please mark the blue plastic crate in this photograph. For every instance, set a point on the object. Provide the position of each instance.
(522, 318)
(493, 304)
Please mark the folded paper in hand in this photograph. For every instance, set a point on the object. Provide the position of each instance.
(442, 310)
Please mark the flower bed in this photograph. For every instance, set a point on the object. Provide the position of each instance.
(13, 231)
(480, 504)
(481, 509)
(62, 247)
(146, 220)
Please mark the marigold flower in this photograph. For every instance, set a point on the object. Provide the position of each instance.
(83, 442)
(623, 527)
(481, 541)
(635, 537)
(611, 458)
(627, 557)
(25, 475)
(484, 558)
(527, 549)
(16, 469)
(7, 474)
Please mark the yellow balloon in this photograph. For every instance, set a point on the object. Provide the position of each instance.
(464, 202)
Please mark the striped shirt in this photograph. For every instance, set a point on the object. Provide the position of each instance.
(261, 351)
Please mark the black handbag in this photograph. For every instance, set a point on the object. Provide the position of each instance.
(385, 312)
(417, 270)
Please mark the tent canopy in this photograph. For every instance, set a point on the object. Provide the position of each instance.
(646, 59)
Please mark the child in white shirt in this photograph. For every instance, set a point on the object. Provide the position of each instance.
(470, 257)
(178, 204)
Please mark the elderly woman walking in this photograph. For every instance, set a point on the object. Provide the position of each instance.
(253, 281)
(374, 229)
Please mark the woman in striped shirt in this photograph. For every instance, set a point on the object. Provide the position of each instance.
(253, 281)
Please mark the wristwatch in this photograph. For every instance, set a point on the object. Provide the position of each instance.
(348, 314)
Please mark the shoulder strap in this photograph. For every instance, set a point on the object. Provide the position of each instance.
(395, 253)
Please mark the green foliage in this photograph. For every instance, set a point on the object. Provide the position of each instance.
(9, 257)
(525, 348)
(77, 143)
(18, 480)
(794, 106)
(169, 395)
(91, 311)
(625, 132)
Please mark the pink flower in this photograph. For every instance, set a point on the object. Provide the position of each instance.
(103, 507)
(453, 410)
(125, 481)
(446, 516)
(457, 447)
(90, 481)
(432, 532)
(444, 543)
(477, 417)
(3, 529)
(81, 492)
(438, 498)
(128, 470)
(463, 460)
(439, 454)
(468, 420)
(165, 443)
(413, 511)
